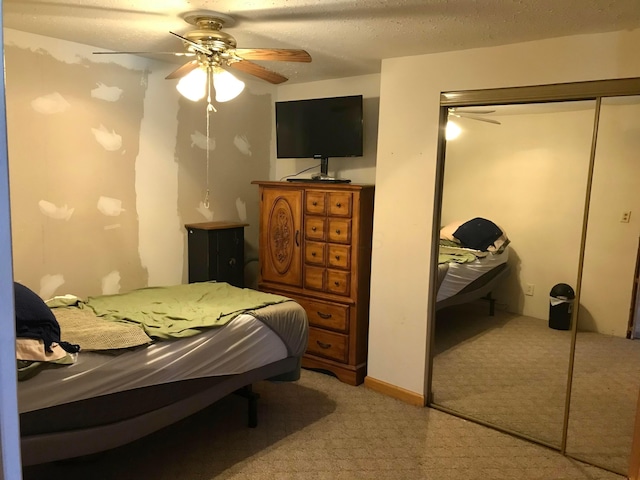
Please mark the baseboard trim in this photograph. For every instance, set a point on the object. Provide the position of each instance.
(399, 393)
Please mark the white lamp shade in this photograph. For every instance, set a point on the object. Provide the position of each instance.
(227, 86)
(453, 130)
(193, 85)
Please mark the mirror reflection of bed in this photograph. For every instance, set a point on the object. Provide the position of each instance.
(532, 172)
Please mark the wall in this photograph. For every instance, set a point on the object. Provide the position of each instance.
(357, 169)
(107, 163)
(529, 175)
(611, 245)
(406, 165)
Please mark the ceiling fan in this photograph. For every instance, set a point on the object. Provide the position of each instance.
(215, 50)
(474, 114)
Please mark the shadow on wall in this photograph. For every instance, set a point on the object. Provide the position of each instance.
(510, 295)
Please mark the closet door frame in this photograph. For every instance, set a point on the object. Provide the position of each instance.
(590, 90)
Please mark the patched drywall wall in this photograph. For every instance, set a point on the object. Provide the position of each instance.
(73, 133)
(106, 167)
(233, 153)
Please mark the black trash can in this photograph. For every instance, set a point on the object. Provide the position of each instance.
(560, 306)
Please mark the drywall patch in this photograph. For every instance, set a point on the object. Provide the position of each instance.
(241, 207)
(109, 140)
(111, 207)
(108, 94)
(50, 104)
(49, 284)
(52, 211)
(199, 139)
(205, 212)
(111, 283)
(242, 144)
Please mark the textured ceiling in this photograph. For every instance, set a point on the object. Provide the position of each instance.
(344, 38)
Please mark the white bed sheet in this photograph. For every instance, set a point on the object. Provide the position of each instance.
(242, 344)
(459, 275)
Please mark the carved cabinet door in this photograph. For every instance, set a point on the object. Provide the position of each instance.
(281, 236)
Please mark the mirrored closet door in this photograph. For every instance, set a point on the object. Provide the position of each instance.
(538, 347)
(606, 374)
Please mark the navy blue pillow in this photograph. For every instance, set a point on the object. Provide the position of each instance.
(34, 319)
(478, 233)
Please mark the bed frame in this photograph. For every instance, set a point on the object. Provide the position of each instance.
(481, 287)
(97, 424)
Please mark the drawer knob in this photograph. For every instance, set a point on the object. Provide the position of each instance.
(315, 204)
(324, 315)
(323, 345)
(232, 262)
(313, 228)
(336, 283)
(337, 257)
(338, 231)
(338, 204)
(313, 254)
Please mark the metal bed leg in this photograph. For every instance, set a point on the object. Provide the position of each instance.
(252, 397)
(492, 304)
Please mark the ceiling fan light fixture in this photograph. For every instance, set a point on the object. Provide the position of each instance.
(453, 131)
(226, 85)
(193, 86)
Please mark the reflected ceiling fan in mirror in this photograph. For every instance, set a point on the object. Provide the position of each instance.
(453, 130)
(473, 114)
(215, 51)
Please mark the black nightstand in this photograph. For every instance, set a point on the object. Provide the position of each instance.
(216, 252)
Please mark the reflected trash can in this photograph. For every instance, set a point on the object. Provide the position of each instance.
(561, 300)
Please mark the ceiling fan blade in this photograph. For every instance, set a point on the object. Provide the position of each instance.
(195, 45)
(258, 71)
(183, 70)
(473, 112)
(177, 54)
(480, 119)
(273, 54)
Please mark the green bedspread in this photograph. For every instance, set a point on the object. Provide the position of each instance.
(181, 310)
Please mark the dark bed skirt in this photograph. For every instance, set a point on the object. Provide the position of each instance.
(97, 424)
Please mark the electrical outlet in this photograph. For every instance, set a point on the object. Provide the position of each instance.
(626, 216)
(529, 289)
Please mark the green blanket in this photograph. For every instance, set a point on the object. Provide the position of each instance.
(181, 310)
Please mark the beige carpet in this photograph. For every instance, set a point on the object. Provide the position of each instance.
(511, 371)
(320, 428)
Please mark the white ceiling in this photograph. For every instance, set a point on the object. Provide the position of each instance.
(344, 38)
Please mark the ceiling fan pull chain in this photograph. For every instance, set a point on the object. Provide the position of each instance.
(208, 113)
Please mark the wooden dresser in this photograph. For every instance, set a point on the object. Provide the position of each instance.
(315, 247)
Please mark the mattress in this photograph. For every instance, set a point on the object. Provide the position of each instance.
(249, 341)
(453, 277)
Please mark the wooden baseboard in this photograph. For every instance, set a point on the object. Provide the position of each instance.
(385, 388)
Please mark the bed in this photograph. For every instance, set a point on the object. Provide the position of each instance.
(193, 357)
(473, 259)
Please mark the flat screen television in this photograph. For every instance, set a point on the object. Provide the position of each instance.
(320, 128)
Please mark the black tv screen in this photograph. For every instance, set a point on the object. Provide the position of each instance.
(325, 127)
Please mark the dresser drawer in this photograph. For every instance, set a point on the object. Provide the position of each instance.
(315, 228)
(339, 256)
(326, 315)
(314, 277)
(339, 231)
(340, 204)
(337, 282)
(328, 344)
(314, 253)
(315, 203)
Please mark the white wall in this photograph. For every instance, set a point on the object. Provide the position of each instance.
(357, 169)
(528, 175)
(406, 165)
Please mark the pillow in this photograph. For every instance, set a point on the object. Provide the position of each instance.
(446, 232)
(33, 318)
(478, 233)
